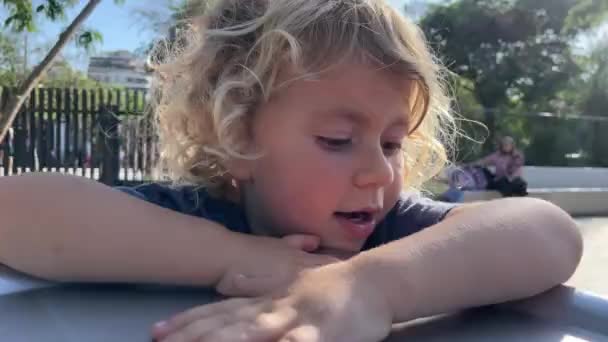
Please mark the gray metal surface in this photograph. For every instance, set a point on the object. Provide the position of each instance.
(38, 311)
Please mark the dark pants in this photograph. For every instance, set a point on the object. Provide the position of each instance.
(509, 188)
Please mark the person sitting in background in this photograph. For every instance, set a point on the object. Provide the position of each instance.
(507, 163)
(465, 178)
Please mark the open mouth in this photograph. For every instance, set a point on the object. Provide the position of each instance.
(357, 217)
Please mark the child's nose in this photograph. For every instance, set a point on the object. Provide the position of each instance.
(374, 170)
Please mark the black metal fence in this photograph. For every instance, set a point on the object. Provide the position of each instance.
(101, 134)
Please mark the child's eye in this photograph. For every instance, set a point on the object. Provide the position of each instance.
(391, 148)
(334, 143)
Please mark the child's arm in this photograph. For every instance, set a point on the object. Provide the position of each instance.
(485, 161)
(480, 254)
(69, 228)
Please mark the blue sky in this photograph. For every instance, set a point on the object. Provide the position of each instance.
(119, 26)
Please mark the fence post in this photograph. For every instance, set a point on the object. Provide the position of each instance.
(3, 145)
(110, 145)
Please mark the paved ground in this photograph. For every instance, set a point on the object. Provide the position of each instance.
(592, 274)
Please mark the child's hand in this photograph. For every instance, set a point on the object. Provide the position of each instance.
(325, 304)
(266, 264)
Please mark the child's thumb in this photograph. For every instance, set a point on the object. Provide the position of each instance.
(307, 243)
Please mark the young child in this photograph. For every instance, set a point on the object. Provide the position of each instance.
(301, 129)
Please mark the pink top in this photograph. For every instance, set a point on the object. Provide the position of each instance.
(507, 164)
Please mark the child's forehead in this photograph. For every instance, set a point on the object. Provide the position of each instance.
(352, 93)
(349, 78)
(399, 119)
(349, 75)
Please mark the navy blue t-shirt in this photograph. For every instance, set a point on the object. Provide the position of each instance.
(411, 213)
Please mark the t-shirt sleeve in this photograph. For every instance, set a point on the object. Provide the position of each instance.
(192, 201)
(411, 214)
(416, 212)
(180, 199)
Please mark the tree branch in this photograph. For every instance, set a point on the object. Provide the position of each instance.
(14, 103)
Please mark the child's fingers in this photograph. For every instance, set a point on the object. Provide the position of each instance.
(304, 333)
(318, 260)
(241, 331)
(308, 243)
(248, 323)
(195, 331)
(337, 254)
(162, 329)
(265, 327)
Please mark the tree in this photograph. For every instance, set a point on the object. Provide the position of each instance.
(22, 18)
(596, 102)
(62, 75)
(167, 21)
(513, 51)
(9, 60)
(587, 14)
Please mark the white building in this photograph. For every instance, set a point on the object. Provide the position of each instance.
(120, 68)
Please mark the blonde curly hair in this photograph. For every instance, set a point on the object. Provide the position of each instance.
(228, 62)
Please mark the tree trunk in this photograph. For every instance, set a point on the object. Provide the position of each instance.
(16, 100)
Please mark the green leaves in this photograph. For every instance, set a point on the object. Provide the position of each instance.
(515, 57)
(20, 15)
(511, 50)
(88, 38)
(23, 17)
(586, 14)
(52, 9)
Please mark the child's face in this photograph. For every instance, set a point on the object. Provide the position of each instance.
(333, 165)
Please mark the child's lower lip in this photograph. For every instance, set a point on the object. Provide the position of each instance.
(357, 230)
